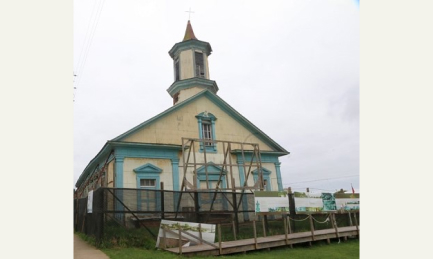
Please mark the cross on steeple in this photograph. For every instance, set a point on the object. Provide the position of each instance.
(189, 15)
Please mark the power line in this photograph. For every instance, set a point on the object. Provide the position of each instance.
(303, 188)
(325, 179)
(90, 33)
(86, 37)
(84, 47)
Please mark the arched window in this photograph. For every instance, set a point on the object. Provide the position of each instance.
(199, 64)
(206, 129)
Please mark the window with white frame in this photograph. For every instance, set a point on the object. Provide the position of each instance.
(206, 128)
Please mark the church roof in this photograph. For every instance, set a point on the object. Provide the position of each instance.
(189, 33)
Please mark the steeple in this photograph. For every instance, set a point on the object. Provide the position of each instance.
(191, 67)
(189, 33)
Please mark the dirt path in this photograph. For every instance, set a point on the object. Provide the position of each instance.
(83, 250)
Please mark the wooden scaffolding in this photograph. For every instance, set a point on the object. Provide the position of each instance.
(195, 154)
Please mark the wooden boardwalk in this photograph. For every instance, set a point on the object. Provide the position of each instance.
(251, 244)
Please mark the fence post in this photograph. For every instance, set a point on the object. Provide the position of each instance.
(235, 210)
(255, 233)
(219, 238)
(200, 234)
(292, 210)
(285, 228)
(196, 207)
(75, 214)
(162, 200)
(334, 224)
(101, 215)
(83, 226)
(234, 229)
(312, 227)
(356, 223)
(290, 229)
(180, 240)
(350, 218)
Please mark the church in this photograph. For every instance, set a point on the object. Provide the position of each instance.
(199, 143)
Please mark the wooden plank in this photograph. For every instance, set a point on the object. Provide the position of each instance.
(186, 233)
(165, 236)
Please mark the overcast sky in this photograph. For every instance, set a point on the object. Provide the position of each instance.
(290, 67)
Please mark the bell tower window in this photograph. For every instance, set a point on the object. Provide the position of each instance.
(199, 65)
(176, 70)
(175, 98)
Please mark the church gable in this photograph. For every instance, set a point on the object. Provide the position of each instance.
(184, 120)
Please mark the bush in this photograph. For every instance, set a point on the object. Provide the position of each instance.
(118, 236)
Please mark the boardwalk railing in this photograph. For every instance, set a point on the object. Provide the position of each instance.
(266, 242)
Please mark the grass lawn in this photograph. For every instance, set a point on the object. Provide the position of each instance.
(319, 250)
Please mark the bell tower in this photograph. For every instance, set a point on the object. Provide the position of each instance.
(191, 67)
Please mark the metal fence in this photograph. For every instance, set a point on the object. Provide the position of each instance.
(136, 208)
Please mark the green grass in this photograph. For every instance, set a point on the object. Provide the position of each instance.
(319, 250)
